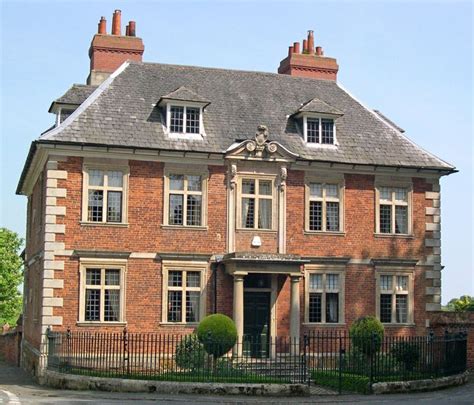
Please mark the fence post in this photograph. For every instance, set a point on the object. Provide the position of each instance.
(68, 349)
(341, 352)
(372, 358)
(304, 362)
(126, 369)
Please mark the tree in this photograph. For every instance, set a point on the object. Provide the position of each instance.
(11, 276)
(465, 303)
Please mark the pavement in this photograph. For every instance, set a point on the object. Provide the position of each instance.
(18, 388)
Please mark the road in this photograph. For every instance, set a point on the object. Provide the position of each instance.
(17, 388)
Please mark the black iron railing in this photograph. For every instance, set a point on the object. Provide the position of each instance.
(332, 359)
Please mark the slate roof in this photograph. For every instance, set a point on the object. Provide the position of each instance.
(318, 106)
(125, 113)
(76, 94)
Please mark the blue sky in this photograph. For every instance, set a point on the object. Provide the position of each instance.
(411, 60)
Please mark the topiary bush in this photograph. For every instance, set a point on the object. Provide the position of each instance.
(190, 353)
(406, 353)
(367, 334)
(217, 333)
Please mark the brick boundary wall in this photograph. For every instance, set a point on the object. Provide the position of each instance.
(10, 347)
(456, 321)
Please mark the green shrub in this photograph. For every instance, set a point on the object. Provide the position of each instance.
(190, 353)
(367, 334)
(406, 353)
(217, 333)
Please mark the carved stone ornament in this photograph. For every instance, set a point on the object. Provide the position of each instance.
(233, 176)
(261, 144)
(283, 177)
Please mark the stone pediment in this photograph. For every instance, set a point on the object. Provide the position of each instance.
(260, 148)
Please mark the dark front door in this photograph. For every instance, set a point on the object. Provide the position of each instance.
(256, 323)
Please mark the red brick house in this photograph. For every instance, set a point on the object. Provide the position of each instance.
(164, 193)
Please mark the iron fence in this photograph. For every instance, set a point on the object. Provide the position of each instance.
(332, 359)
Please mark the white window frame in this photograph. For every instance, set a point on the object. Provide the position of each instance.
(256, 196)
(394, 272)
(324, 270)
(185, 171)
(320, 117)
(337, 180)
(393, 184)
(184, 266)
(186, 135)
(103, 264)
(86, 168)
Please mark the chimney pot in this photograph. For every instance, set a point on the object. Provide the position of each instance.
(310, 42)
(116, 23)
(296, 47)
(102, 26)
(132, 28)
(305, 46)
(319, 51)
(126, 31)
(290, 50)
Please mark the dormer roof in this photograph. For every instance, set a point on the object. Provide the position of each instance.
(317, 106)
(184, 94)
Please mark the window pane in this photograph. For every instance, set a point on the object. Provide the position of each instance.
(248, 212)
(176, 209)
(92, 305)
(314, 310)
(385, 193)
(265, 213)
(312, 128)
(111, 305)
(332, 281)
(193, 214)
(95, 204)
(401, 219)
(93, 277)
(114, 206)
(315, 281)
(385, 308)
(332, 307)
(96, 178)
(315, 215)
(176, 119)
(194, 183)
(402, 283)
(115, 178)
(176, 182)
(332, 216)
(192, 306)
(401, 309)
(112, 277)
(174, 306)
(193, 279)
(192, 120)
(265, 187)
(385, 218)
(316, 190)
(327, 129)
(332, 190)
(175, 279)
(386, 283)
(248, 186)
(401, 194)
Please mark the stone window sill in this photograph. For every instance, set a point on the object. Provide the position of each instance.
(398, 325)
(180, 324)
(324, 233)
(105, 224)
(393, 235)
(320, 324)
(185, 228)
(256, 231)
(86, 323)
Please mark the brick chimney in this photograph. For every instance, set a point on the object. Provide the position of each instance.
(310, 63)
(108, 51)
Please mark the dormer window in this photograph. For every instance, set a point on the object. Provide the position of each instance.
(183, 112)
(184, 120)
(319, 130)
